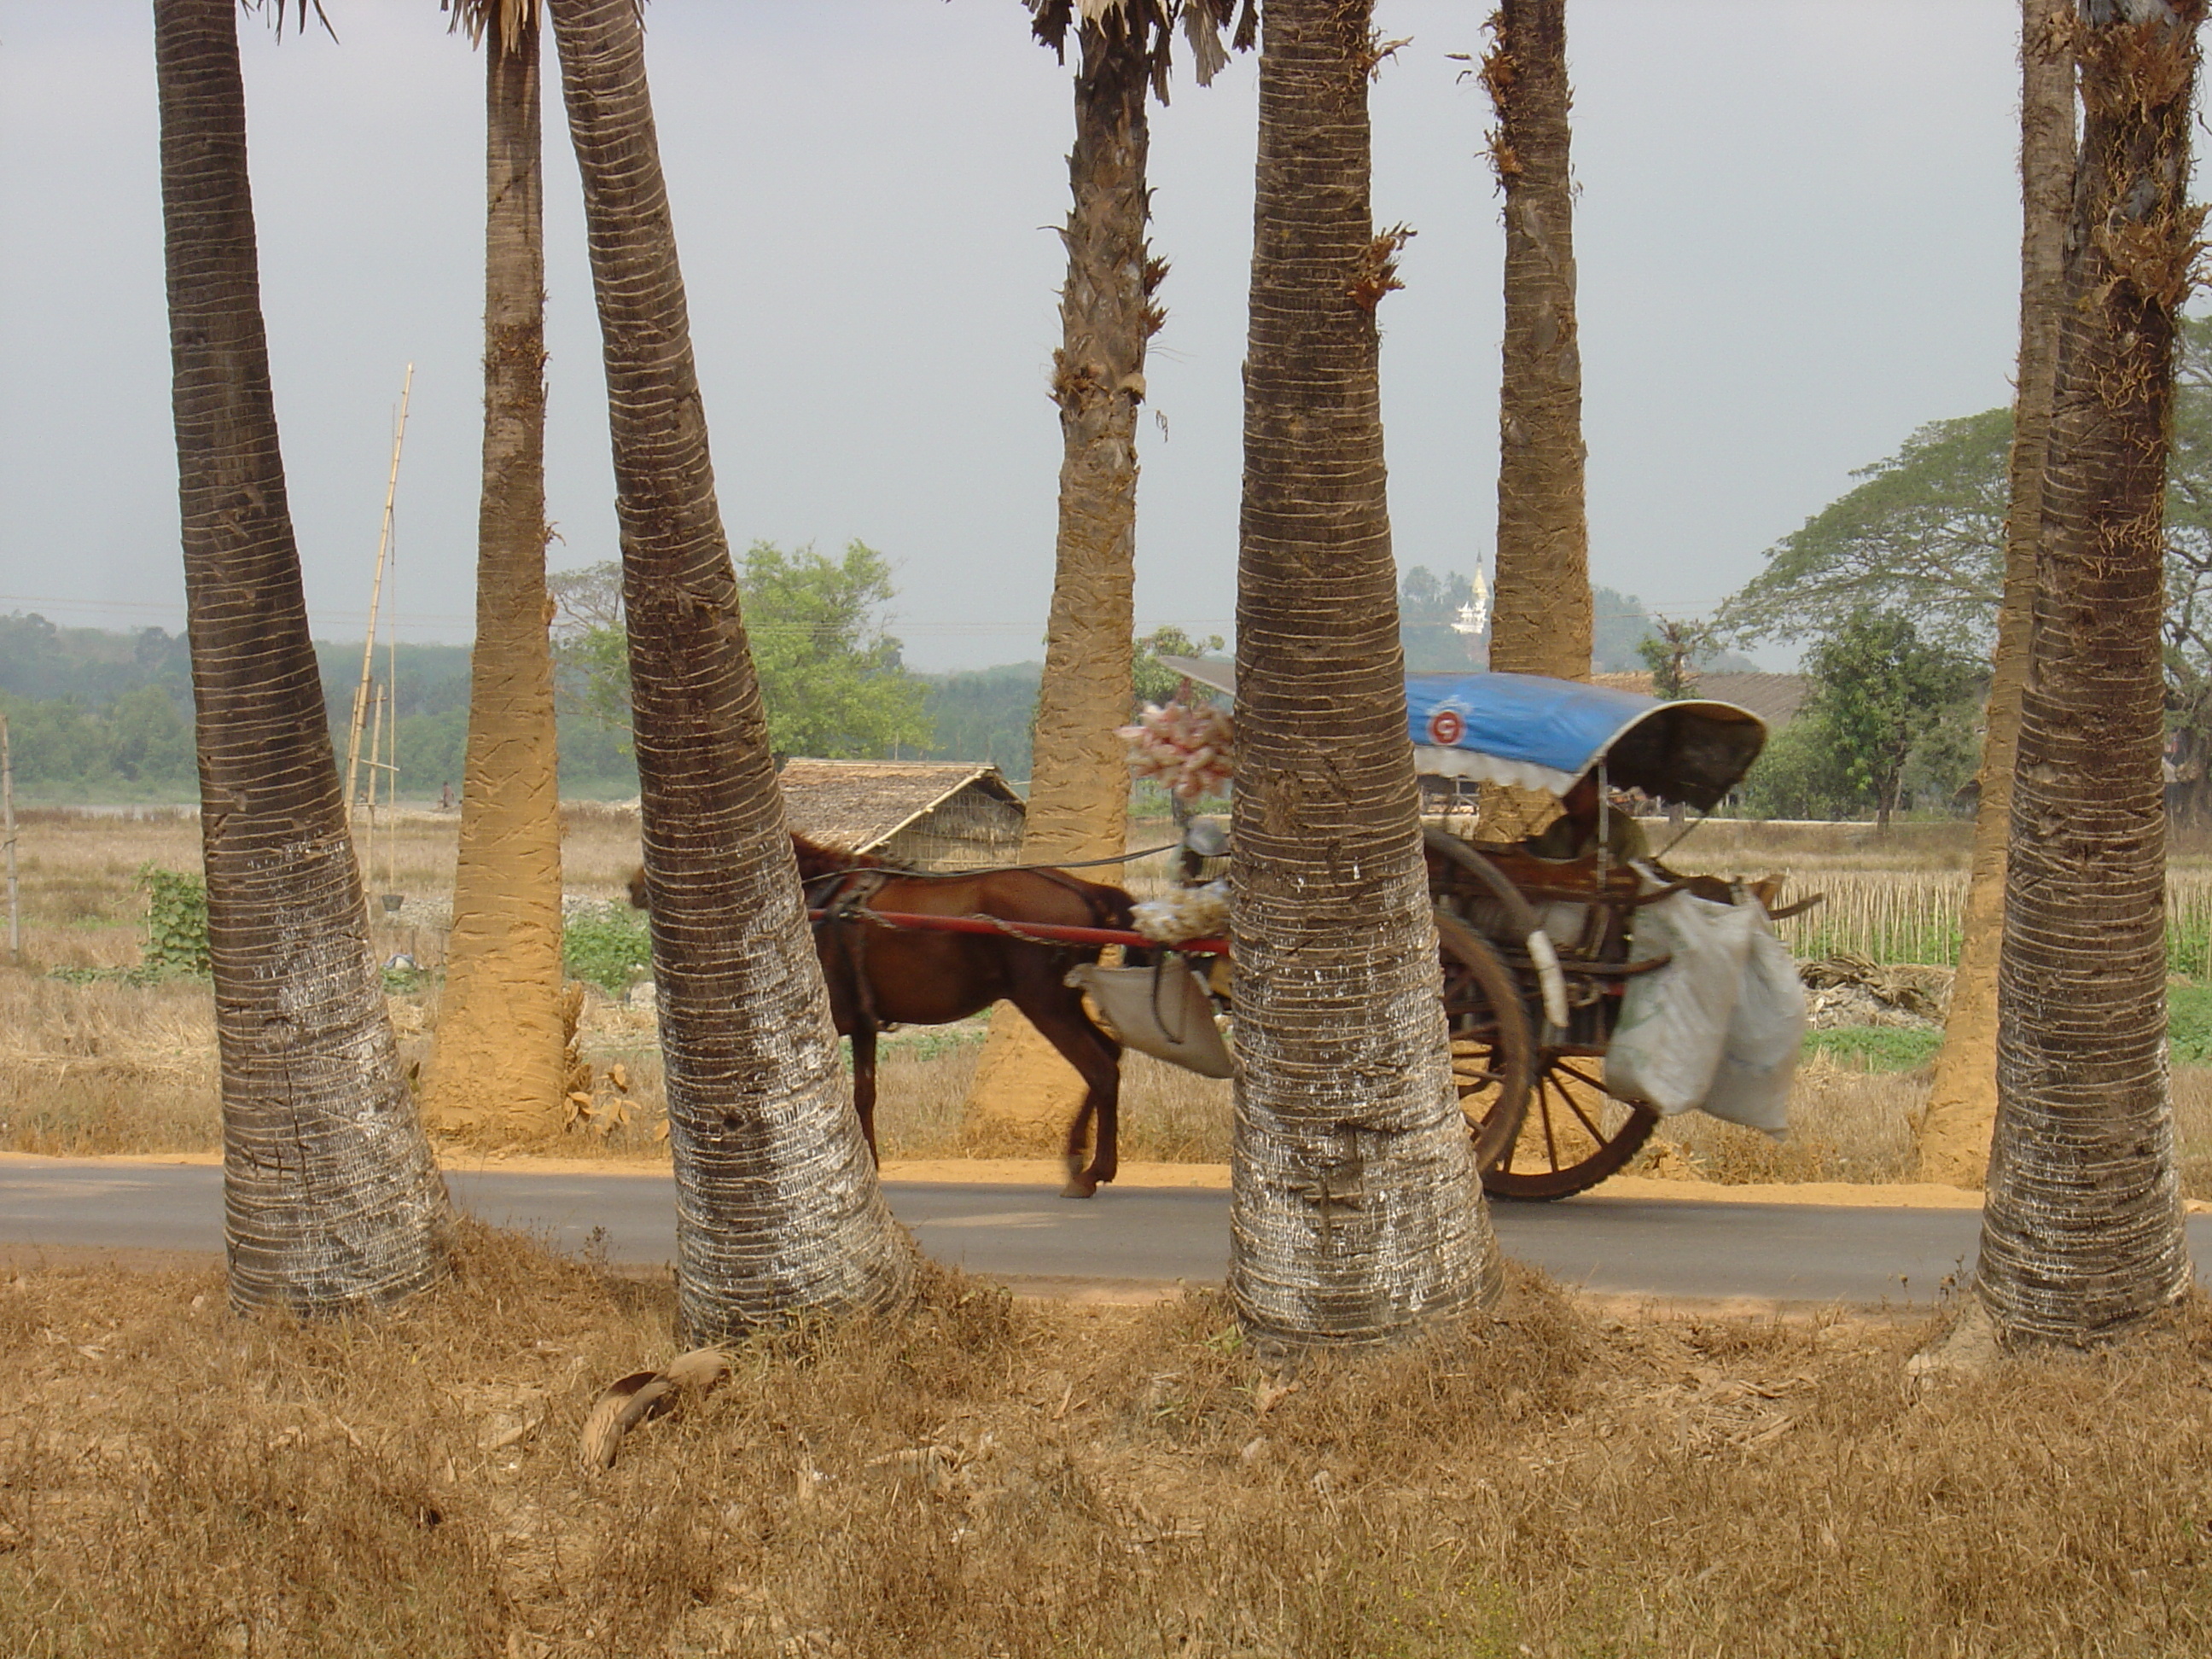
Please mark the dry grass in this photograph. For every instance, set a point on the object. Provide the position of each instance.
(1168, 1115)
(995, 1477)
(107, 1067)
(1844, 1125)
(1747, 847)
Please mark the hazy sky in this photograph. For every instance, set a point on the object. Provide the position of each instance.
(1796, 233)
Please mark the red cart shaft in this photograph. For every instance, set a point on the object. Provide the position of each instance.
(1058, 934)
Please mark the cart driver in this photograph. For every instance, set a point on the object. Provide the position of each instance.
(1572, 836)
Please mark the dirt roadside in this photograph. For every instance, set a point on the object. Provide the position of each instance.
(1047, 1172)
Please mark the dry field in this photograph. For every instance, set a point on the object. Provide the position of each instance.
(112, 1068)
(998, 1479)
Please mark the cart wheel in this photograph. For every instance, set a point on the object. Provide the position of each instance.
(1494, 1055)
(1572, 1136)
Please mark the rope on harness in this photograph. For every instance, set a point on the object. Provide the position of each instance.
(965, 870)
(998, 924)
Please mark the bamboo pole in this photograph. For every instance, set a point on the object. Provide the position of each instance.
(391, 751)
(376, 591)
(7, 839)
(375, 741)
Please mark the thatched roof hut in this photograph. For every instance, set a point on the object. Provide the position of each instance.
(923, 815)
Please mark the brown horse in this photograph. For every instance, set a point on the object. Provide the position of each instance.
(881, 975)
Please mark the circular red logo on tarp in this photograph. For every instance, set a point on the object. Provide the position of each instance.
(1446, 728)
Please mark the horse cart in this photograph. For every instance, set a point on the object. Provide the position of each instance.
(1538, 937)
(1528, 1046)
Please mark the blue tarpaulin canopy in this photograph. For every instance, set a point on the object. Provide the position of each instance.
(1537, 732)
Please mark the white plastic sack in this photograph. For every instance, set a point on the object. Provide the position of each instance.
(1674, 1020)
(1751, 1085)
(1163, 1011)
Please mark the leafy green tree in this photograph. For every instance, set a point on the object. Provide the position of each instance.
(1922, 534)
(1151, 679)
(1621, 624)
(40, 661)
(1799, 775)
(148, 738)
(984, 715)
(1673, 654)
(591, 645)
(1878, 690)
(830, 676)
(136, 745)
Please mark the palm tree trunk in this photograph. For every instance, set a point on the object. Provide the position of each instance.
(1079, 784)
(1542, 623)
(1962, 1100)
(1356, 1214)
(2082, 1231)
(332, 1199)
(1079, 799)
(500, 1064)
(777, 1205)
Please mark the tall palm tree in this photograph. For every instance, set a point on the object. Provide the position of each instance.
(1356, 1212)
(2082, 1231)
(1541, 624)
(1078, 799)
(332, 1199)
(1079, 784)
(499, 1063)
(777, 1205)
(1962, 1100)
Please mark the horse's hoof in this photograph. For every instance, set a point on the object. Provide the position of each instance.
(1077, 1186)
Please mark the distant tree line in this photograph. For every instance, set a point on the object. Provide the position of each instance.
(108, 715)
(99, 715)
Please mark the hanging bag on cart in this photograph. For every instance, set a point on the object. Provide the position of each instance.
(1759, 1061)
(1674, 1020)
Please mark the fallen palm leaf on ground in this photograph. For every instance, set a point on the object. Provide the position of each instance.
(643, 1395)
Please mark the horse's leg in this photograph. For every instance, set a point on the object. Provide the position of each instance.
(864, 1082)
(1097, 1057)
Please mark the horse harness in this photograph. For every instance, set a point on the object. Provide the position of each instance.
(844, 904)
(846, 900)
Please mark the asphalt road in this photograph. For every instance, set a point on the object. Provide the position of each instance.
(1668, 1249)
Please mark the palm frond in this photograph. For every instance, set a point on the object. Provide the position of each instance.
(281, 8)
(505, 21)
(1150, 25)
(1247, 28)
(1201, 26)
(1049, 22)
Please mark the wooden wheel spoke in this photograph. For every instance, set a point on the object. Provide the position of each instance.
(1597, 1083)
(1543, 1106)
(1595, 1134)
